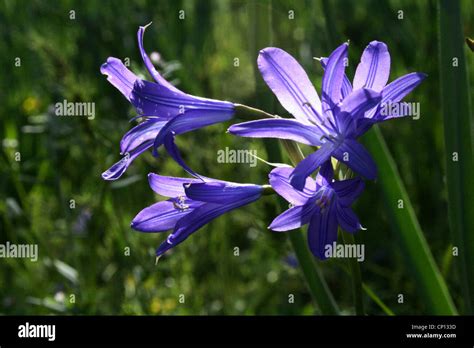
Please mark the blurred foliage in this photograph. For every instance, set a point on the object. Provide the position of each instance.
(83, 251)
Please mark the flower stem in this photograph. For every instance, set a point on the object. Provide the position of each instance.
(356, 277)
(311, 270)
(354, 267)
(268, 190)
(249, 113)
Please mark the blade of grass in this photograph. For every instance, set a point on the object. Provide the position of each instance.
(459, 142)
(418, 256)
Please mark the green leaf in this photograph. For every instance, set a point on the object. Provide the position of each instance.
(419, 259)
(458, 137)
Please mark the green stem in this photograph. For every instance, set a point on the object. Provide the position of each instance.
(354, 267)
(260, 35)
(356, 276)
(311, 270)
(268, 190)
(413, 243)
(459, 142)
(245, 112)
(313, 275)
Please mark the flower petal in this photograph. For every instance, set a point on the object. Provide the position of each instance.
(289, 82)
(189, 121)
(149, 65)
(221, 192)
(153, 99)
(169, 186)
(307, 166)
(348, 190)
(322, 230)
(198, 218)
(161, 216)
(119, 76)
(116, 171)
(325, 174)
(346, 87)
(280, 128)
(374, 67)
(347, 219)
(173, 151)
(280, 181)
(333, 77)
(354, 155)
(353, 108)
(294, 217)
(395, 91)
(360, 101)
(144, 131)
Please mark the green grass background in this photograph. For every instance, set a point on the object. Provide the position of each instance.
(82, 250)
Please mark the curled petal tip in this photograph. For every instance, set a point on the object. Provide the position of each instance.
(146, 26)
(103, 69)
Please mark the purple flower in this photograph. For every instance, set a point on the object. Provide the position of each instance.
(373, 72)
(322, 203)
(341, 115)
(167, 110)
(192, 203)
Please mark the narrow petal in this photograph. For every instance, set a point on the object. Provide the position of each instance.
(325, 174)
(374, 67)
(153, 99)
(144, 131)
(349, 190)
(149, 65)
(280, 180)
(169, 186)
(293, 218)
(116, 171)
(333, 77)
(173, 151)
(119, 76)
(360, 101)
(347, 219)
(354, 155)
(395, 91)
(191, 120)
(322, 230)
(307, 166)
(198, 218)
(279, 128)
(161, 216)
(221, 192)
(289, 82)
(346, 87)
(353, 108)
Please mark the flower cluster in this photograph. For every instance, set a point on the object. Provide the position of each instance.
(331, 123)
